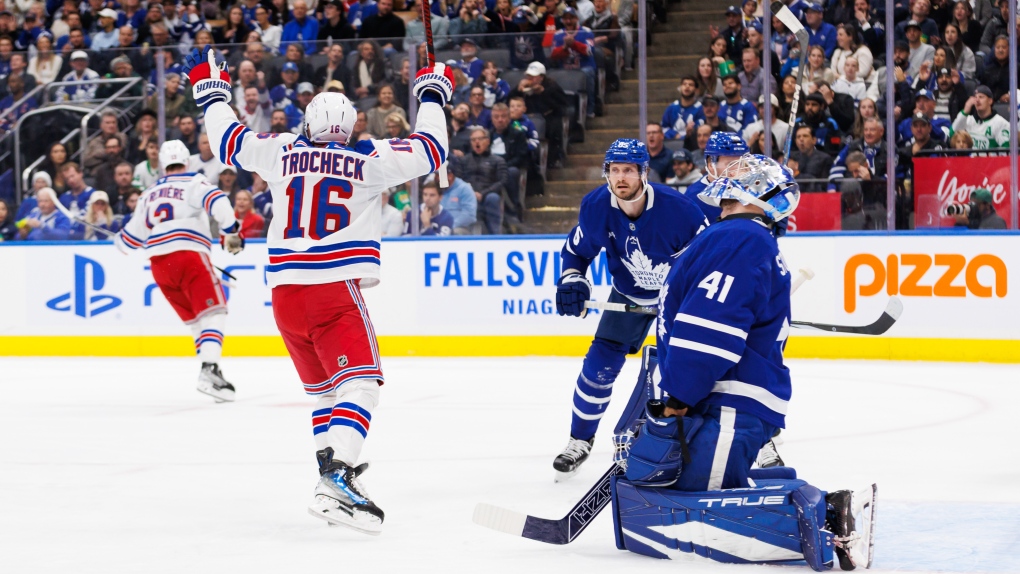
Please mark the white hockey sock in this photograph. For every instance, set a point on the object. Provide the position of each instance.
(208, 333)
(320, 419)
(350, 418)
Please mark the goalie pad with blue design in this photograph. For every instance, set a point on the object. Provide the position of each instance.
(779, 520)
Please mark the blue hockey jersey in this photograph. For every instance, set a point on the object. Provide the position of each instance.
(638, 251)
(711, 212)
(676, 116)
(739, 115)
(724, 316)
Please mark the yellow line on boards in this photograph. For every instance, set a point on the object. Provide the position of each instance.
(877, 348)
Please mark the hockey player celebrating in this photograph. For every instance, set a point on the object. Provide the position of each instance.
(724, 318)
(641, 225)
(171, 224)
(323, 248)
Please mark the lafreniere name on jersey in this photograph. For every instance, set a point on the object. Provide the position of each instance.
(166, 193)
(326, 162)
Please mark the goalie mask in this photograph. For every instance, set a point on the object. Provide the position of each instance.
(756, 180)
(173, 152)
(329, 117)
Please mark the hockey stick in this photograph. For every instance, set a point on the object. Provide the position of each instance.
(430, 51)
(892, 313)
(803, 275)
(562, 531)
(108, 233)
(793, 25)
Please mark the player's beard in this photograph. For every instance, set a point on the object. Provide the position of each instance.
(629, 192)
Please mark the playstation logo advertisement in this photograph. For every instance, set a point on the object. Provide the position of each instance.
(85, 299)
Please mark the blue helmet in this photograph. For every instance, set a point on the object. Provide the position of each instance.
(725, 143)
(627, 150)
(756, 180)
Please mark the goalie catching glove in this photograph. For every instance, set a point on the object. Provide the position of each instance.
(434, 84)
(210, 81)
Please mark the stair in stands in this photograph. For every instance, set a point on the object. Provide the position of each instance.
(675, 48)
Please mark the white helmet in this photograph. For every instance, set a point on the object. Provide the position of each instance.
(329, 117)
(173, 152)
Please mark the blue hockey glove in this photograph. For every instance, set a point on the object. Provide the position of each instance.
(657, 453)
(571, 293)
(210, 81)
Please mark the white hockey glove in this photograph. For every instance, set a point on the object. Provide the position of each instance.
(434, 84)
(232, 243)
(210, 81)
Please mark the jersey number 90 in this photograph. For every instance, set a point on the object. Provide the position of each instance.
(328, 213)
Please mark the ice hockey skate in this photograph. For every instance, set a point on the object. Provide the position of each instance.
(568, 461)
(768, 456)
(212, 383)
(341, 500)
(851, 518)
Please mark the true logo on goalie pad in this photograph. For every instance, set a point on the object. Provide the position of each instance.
(744, 501)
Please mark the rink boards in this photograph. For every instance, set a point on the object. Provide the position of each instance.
(495, 297)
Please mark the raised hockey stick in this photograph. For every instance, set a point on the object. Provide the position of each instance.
(562, 531)
(803, 275)
(793, 25)
(892, 313)
(430, 51)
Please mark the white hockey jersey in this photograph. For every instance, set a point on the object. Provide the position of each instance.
(326, 199)
(173, 215)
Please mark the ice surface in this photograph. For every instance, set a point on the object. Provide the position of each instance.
(119, 465)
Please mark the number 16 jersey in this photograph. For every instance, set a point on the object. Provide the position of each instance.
(327, 198)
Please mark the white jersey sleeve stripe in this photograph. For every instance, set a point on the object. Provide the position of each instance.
(714, 325)
(231, 144)
(759, 394)
(131, 241)
(703, 348)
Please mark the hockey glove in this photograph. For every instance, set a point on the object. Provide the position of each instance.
(434, 84)
(232, 243)
(657, 453)
(571, 293)
(210, 81)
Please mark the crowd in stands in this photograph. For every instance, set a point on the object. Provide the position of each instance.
(280, 54)
(951, 78)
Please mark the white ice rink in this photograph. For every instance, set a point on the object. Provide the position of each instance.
(119, 465)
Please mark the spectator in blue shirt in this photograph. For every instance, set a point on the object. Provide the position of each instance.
(301, 29)
(45, 222)
(460, 201)
(16, 91)
(573, 49)
(736, 112)
(433, 219)
(684, 115)
(821, 33)
(108, 36)
(7, 228)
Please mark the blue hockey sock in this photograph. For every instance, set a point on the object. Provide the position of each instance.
(594, 387)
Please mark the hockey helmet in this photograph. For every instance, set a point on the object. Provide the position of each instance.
(173, 152)
(329, 117)
(756, 180)
(627, 150)
(725, 143)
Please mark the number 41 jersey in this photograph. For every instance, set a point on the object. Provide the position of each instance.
(327, 199)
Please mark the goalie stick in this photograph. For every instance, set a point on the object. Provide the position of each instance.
(797, 29)
(803, 275)
(562, 531)
(108, 233)
(892, 313)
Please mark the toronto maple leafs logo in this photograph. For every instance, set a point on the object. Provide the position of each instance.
(647, 275)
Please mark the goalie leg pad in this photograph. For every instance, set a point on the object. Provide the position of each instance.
(645, 390)
(751, 525)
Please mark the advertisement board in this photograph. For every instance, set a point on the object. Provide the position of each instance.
(496, 296)
(940, 181)
(818, 211)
